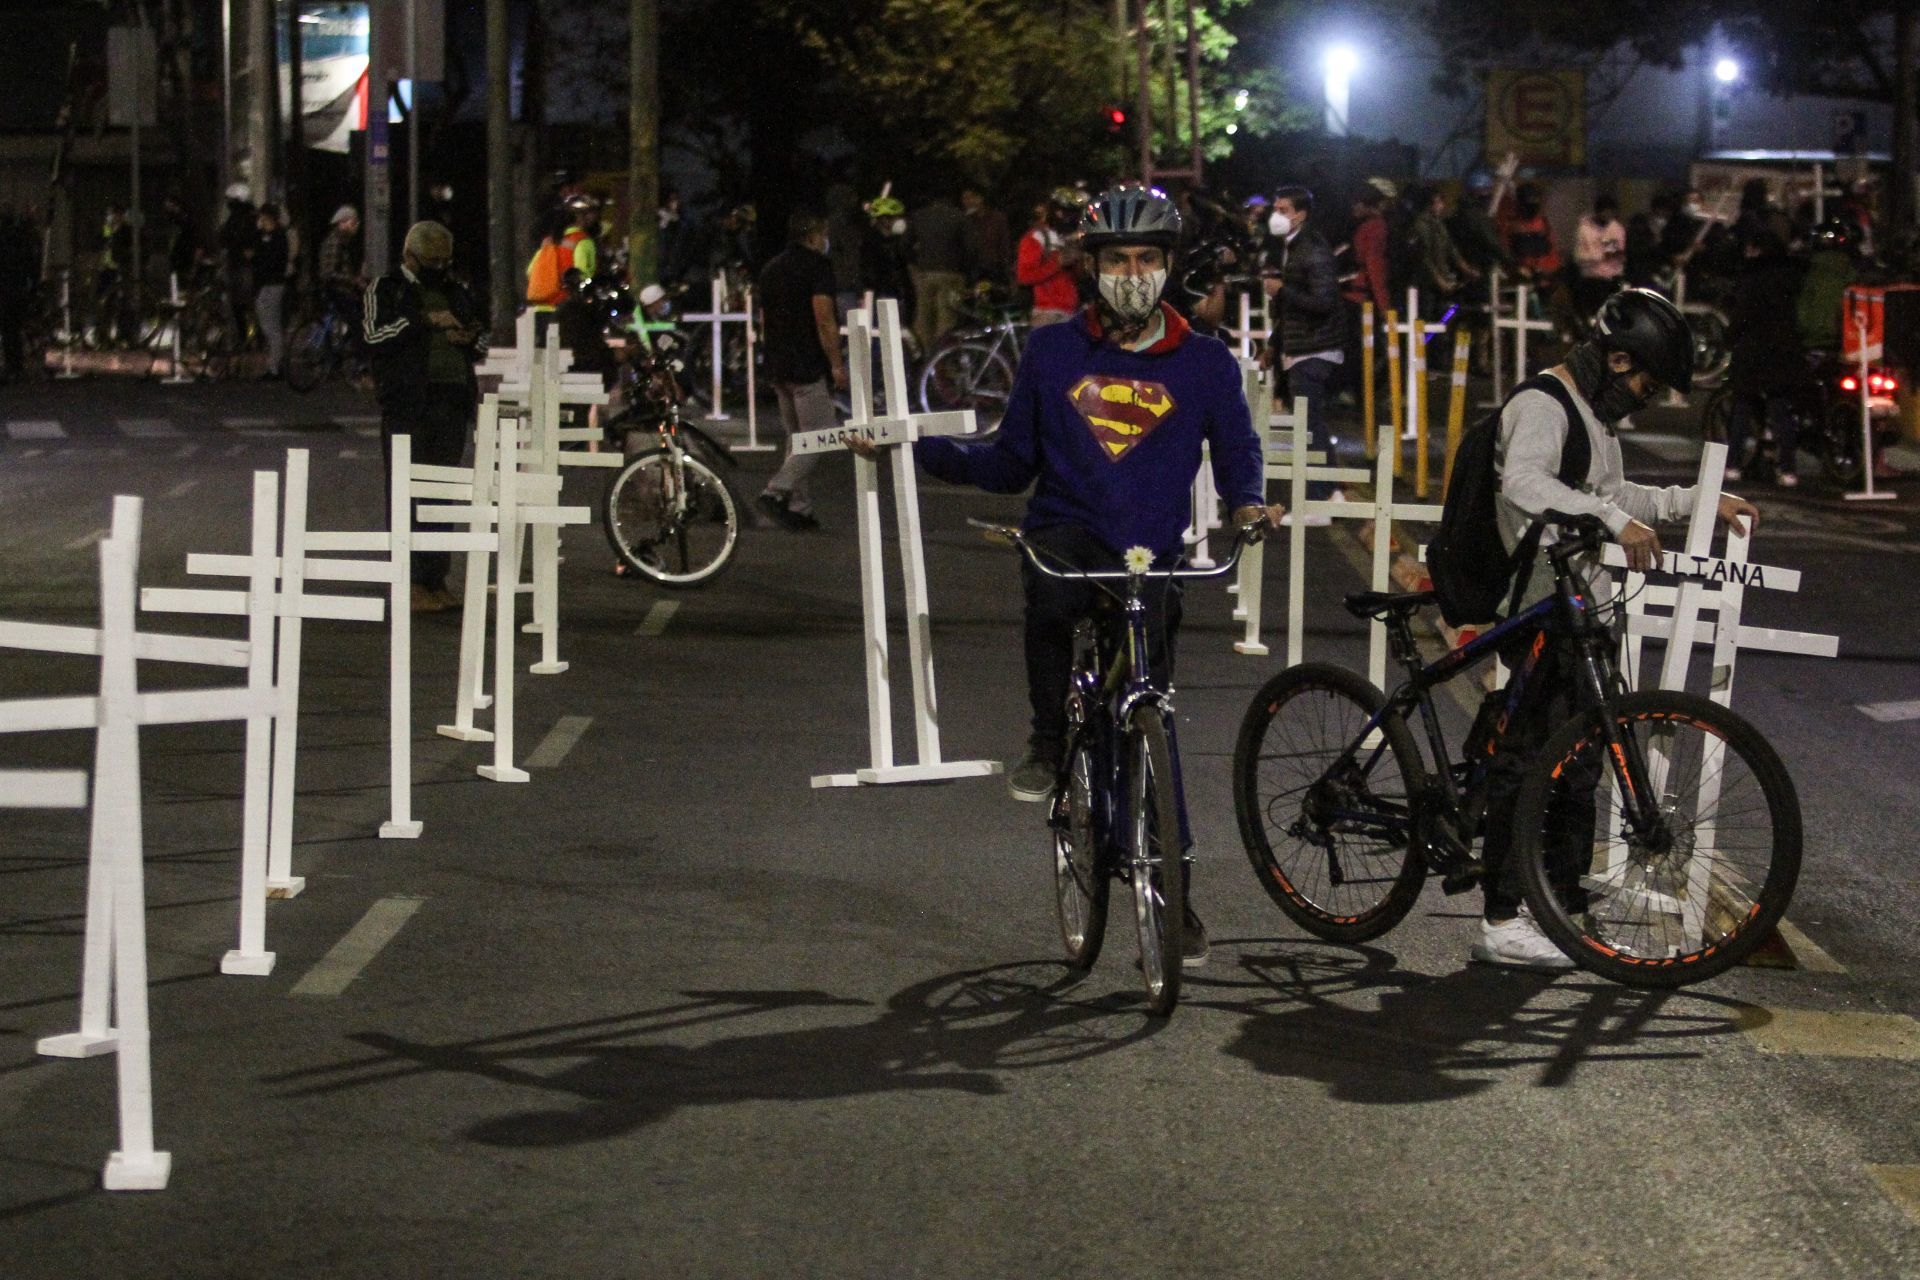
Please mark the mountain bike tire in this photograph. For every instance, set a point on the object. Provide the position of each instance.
(1649, 916)
(1082, 878)
(677, 553)
(1356, 889)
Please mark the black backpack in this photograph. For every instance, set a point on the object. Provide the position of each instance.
(1471, 568)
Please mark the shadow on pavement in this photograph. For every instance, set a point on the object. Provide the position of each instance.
(955, 1032)
(1347, 1017)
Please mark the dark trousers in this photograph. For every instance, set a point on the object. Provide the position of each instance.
(441, 424)
(13, 337)
(1552, 695)
(1777, 412)
(1312, 380)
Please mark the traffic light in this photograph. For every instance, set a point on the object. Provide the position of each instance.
(1115, 117)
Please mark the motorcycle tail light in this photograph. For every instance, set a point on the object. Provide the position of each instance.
(1849, 383)
(1884, 384)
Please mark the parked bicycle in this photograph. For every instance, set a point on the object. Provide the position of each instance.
(668, 514)
(1658, 834)
(326, 346)
(1115, 811)
(973, 367)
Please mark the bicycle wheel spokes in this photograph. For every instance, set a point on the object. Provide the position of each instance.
(1154, 859)
(1080, 879)
(1329, 828)
(674, 523)
(1677, 899)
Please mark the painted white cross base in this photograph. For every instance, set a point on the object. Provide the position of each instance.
(899, 427)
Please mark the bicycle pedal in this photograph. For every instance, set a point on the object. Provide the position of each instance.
(1463, 878)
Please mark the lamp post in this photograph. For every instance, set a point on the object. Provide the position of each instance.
(1340, 63)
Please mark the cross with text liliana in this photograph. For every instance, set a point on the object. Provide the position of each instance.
(899, 427)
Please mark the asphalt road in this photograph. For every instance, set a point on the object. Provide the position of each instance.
(667, 1011)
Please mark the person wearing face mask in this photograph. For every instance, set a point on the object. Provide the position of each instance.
(1048, 260)
(1310, 333)
(424, 330)
(1599, 255)
(1641, 346)
(1105, 422)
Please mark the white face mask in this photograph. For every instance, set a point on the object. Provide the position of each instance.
(1279, 224)
(898, 227)
(1132, 298)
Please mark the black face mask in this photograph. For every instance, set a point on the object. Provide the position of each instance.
(432, 276)
(1608, 393)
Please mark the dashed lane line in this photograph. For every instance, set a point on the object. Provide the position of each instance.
(1839, 1034)
(31, 453)
(184, 488)
(657, 618)
(1890, 712)
(146, 428)
(257, 426)
(352, 954)
(560, 739)
(86, 540)
(186, 451)
(35, 429)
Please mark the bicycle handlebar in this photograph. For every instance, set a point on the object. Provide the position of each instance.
(1244, 536)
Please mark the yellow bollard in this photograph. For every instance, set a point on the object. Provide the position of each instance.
(1368, 425)
(1457, 406)
(1419, 411)
(1395, 407)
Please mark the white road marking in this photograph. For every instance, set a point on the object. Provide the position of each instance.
(182, 489)
(146, 428)
(86, 540)
(1890, 712)
(186, 451)
(236, 450)
(31, 453)
(350, 453)
(1808, 952)
(257, 427)
(35, 429)
(657, 618)
(553, 748)
(353, 953)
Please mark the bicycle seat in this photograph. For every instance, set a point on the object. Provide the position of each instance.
(1386, 604)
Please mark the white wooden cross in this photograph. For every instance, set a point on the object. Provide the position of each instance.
(895, 431)
(507, 499)
(292, 606)
(1520, 323)
(114, 964)
(719, 316)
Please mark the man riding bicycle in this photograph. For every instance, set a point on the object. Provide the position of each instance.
(1105, 420)
(1641, 346)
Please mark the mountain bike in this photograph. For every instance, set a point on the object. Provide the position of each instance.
(1658, 833)
(326, 345)
(669, 516)
(1115, 811)
(972, 368)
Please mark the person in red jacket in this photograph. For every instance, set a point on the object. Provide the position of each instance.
(1367, 282)
(1048, 260)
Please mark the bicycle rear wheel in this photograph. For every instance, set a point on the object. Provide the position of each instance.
(966, 376)
(1081, 877)
(1682, 903)
(1330, 833)
(1155, 860)
(677, 526)
(310, 357)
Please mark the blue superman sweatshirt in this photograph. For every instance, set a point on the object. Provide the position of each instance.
(1110, 438)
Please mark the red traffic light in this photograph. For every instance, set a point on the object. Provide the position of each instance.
(1116, 119)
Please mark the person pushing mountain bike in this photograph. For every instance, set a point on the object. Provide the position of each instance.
(1105, 421)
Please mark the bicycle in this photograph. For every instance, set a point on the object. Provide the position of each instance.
(973, 368)
(1690, 822)
(1115, 811)
(668, 515)
(327, 345)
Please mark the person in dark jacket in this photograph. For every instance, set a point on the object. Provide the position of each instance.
(424, 331)
(272, 269)
(1312, 330)
(1769, 363)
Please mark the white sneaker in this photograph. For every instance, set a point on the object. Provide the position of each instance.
(1787, 480)
(1732, 473)
(1519, 944)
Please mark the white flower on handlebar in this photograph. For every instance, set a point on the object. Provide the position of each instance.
(1139, 559)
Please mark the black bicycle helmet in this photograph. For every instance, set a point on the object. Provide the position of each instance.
(1131, 213)
(1651, 329)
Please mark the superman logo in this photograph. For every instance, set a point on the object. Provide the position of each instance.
(1119, 411)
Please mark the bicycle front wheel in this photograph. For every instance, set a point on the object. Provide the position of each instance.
(1327, 818)
(673, 522)
(1081, 877)
(310, 356)
(1690, 897)
(1155, 861)
(966, 376)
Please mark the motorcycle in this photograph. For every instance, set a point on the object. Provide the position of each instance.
(1826, 410)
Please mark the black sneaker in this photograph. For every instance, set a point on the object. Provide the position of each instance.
(1193, 942)
(774, 507)
(1032, 779)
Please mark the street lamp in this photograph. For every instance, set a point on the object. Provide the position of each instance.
(1340, 64)
(1726, 71)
